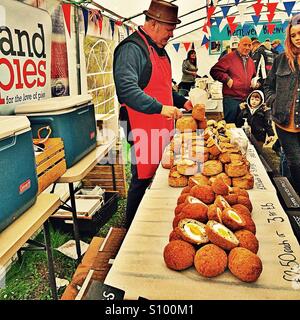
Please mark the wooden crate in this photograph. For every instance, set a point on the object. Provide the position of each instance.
(51, 163)
(102, 175)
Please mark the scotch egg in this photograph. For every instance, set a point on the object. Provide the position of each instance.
(192, 231)
(221, 236)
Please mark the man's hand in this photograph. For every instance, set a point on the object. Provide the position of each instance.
(230, 83)
(171, 112)
(188, 106)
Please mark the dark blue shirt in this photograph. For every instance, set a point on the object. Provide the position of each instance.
(130, 61)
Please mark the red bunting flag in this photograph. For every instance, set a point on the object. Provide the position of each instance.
(187, 45)
(100, 21)
(210, 12)
(270, 16)
(270, 28)
(272, 7)
(66, 7)
(257, 8)
(232, 25)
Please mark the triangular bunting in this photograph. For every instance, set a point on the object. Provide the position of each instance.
(66, 7)
(210, 11)
(225, 10)
(232, 25)
(176, 46)
(112, 25)
(187, 45)
(270, 28)
(289, 5)
(204, 28)
(205, 41)
(100, 21)
(258, 29)
(257, 8)
(212, 20)
(246, 28)
(237, 2)
(127, 30)
(272, 7)
(85, 14)
(255, 19)
(284, 25)
(270, 16)
(193, 46)
(218, 20)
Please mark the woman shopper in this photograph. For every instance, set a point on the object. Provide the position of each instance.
(282, 91)
(189, 71)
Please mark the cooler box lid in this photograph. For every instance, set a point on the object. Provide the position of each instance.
(53, 104)
(10, 125)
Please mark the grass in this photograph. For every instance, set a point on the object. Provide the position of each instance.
(28, 279)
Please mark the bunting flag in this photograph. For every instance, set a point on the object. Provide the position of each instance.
(246, 28)
(218, 20)
(127, 30)
(85, 13)
(187, 45)
(212, 20)
(176, 46)
(257, 8)
(118, 23)
(270, 16)
(112, 25)
(205, 41)
(232, 25)
(100, 22)
(258, 29)
(284, 25)
(272, 7)
(225, 10)
(270, 28)
(210, 12)
(237, 2)
(66, 7)
(289, 5)
(255, 19)
(193, 46)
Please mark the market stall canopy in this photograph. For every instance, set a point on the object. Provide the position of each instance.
(193, 13)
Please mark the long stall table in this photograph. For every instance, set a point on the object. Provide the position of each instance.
(139, 267)
(77, 173)
(19, 232)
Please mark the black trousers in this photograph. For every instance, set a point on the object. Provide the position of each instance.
(135, 195)
(290, 143)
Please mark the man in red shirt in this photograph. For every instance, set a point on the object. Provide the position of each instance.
(236, 71)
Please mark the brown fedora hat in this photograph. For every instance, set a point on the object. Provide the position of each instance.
(163, 11)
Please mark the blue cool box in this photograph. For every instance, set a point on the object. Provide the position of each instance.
(70, 118)
(18, 179)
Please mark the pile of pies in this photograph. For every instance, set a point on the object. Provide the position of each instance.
(213, 230)
(207, 152)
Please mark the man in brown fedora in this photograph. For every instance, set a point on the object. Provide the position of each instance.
(143, 79)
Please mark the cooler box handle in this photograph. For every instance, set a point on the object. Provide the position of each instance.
(12, 141)
(83, 111)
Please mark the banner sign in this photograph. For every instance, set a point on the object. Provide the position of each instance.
(25, 56)
(225, 33)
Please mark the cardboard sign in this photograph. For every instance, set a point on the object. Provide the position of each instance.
(25, 56)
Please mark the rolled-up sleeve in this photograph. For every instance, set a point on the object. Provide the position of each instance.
(128, 67)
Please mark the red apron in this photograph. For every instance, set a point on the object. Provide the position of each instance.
(152, 132)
